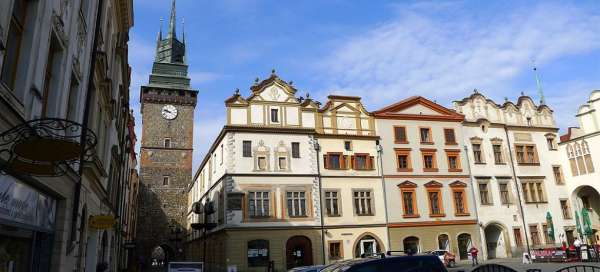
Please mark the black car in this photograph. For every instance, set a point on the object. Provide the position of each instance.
(414, 263)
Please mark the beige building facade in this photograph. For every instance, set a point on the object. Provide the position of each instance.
(427, 183)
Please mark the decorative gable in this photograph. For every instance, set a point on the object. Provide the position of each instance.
(417, 107)
(458, 184)
(407, 184)
(433, 184)
(273, 89)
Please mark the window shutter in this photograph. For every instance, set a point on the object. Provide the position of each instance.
(370, 163)
(325, 162)
(352, 162)
(347, 162)
(342, 162)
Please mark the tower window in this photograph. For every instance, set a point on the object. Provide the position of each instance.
(166, 180)
(275, 115)
(167, 142)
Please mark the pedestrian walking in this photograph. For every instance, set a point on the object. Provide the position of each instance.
(473, 250)
(577, 244)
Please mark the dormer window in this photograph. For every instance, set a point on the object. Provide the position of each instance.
(274, 115)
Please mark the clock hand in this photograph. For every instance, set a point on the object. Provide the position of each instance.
(167, 110)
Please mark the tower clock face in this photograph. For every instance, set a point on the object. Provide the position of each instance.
(169, 112)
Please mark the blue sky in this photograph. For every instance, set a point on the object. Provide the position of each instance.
(383, 51)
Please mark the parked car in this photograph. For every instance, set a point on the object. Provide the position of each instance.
(312, 268)
(447, 258)
(409, 263)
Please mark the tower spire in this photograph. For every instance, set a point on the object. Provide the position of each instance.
(172, 33)
(539, 85)
(160, 30)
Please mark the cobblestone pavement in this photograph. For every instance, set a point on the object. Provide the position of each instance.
(519, 266)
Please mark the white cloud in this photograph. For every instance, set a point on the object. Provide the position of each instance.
(445, 58)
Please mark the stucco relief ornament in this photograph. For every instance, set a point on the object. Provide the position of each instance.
(274, 93)
(346, 122)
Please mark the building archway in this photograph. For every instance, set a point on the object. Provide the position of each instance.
(298, 251)
(411, 244)
(444, 242)
(464, 243)
(496, 241)
(368, 244)
(587, 197)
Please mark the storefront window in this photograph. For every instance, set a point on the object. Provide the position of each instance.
(258, 253)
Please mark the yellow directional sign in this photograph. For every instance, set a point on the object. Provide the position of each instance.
(102, 221)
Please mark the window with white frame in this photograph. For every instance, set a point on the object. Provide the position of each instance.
(258, 204)
(332, 203)
(296, 203)
(363, 202)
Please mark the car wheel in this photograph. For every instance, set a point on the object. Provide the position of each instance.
(451, 264)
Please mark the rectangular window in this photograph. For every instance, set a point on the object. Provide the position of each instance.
(409, 203)
(484, 194)
(581, 165)
(533, 191)
(435, 203)
(258, 204)
(334, 161)
(50, 75)
(547, 237)
(449, 136)
(564, 207)
(526, 154)
(167, 143)
(274, 115)
(296, 204)
(535, 235)
(573, 164)
(588, 163)
(166, 180)
(348, 145)
(453, 161)
(518, 238)
(558, 176)
(247, 149)
(498, 159)
(335, 250)
(550, 142)
(13, 43)
(262, 163)
(400, 135)
(403, 163)
(222, 154)
(73, 98)
(332, 203)
(282, 163)
(362, 162)
(477, 156)
(425, 135)
(295, 150)
(363, 203)
(504, 192)
(429, 162)
(459, 202)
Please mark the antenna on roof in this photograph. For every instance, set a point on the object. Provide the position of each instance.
(539, 85)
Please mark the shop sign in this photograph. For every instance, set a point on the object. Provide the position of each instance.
(23, 204)
(102, 221)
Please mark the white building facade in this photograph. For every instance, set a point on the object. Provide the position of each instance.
(578, 149)
(517, 174)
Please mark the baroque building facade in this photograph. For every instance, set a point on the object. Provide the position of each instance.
(167, 107)
(65, 63)
(428, 189)
(577, 149)
(517, 174)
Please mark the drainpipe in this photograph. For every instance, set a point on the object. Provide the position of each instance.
(318, 149)
(481, 236)
(512, 166)
(84, 125)
(380, 161)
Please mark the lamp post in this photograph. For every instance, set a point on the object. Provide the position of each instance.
(175, 232)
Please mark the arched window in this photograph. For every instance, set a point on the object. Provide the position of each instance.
(367, 246)
(443, 242)
(411, 244)
(586, 149)
(570, 153)
(577, 150)
(258, 253)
